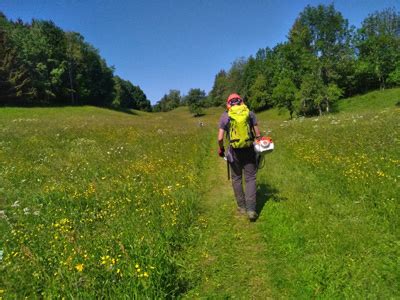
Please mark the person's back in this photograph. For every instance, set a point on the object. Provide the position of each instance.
(240, 126)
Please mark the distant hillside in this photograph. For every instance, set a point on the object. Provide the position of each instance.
(373, 100)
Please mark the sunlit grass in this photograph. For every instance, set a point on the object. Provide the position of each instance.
(95, 202)
(331, 218)
(372, 101)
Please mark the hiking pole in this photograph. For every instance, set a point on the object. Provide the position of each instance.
(227, 167)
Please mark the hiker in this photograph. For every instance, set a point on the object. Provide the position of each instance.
(240, 126)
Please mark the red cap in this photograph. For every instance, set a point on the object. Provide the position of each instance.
(233, 99)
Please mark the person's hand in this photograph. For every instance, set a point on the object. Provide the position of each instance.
(221, 152)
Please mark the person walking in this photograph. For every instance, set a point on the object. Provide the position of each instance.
(240, 127)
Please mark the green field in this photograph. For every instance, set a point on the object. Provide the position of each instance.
(331, 219)
(96, 203)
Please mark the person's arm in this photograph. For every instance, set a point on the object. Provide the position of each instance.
(221, 133)
(223, 125)
(255, 125)
(257, 131)
(221, 150)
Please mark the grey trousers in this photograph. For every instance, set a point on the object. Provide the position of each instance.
(243, 162)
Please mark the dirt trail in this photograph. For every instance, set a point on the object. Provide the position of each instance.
(232, 260)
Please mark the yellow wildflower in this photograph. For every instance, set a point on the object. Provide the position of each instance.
(79, 267)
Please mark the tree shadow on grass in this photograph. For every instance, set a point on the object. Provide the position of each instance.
(123, 110)
(265, 193)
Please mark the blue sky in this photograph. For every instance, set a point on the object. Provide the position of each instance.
(178, 44)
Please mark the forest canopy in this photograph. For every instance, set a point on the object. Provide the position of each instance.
(40, 64)
(322, 60)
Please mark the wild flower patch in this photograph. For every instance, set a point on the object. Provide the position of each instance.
(94, 205)
(335, 233)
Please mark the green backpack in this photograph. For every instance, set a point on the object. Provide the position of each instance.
(240, 134)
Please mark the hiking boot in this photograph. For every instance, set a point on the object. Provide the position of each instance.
(241, 210)
(252, 215)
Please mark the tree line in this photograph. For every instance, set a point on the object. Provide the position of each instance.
(195, 100)
(323, 60)
(40, 64)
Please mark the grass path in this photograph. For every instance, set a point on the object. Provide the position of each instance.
(230, 255)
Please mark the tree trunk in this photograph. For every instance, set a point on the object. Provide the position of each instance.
(71, 84)
(382, 82)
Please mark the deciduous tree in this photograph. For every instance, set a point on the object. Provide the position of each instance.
(194, 100)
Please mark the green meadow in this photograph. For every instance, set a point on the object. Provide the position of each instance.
(331, 221)
(96, 203)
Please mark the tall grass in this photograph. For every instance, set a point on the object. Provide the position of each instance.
(96, 203)
(332, 191)
(101, 204)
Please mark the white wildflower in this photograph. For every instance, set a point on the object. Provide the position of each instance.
(15, 204)
(3, 215)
